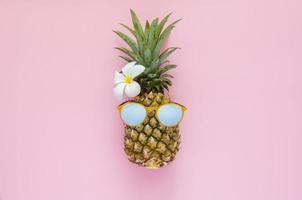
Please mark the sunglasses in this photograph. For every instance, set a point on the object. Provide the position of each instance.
(169, 114)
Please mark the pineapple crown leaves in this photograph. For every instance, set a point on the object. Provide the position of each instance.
(145, 49)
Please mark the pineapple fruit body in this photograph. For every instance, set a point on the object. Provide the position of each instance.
(151, 144)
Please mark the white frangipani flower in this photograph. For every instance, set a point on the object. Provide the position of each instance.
(124, 81)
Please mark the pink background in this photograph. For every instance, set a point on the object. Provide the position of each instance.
(239, 75)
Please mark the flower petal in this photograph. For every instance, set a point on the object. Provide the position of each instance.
(127, 70)
(118, 78)
(137, 70)
(133, 89)
(119, 90)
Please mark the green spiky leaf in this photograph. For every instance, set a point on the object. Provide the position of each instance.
(167, 76)
(139, 40)
(127, 52)
(162, 24)
(165, 54)
(137, 25)
(147, 29)
(171, 25)
(168, 81)
(147, 56)
(152, 34)
(161, 40)
(128, 40)
(126, 58)
(166, 68)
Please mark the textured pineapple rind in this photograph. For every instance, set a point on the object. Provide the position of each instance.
(151, 144)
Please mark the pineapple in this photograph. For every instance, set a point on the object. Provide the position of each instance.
(150, 144)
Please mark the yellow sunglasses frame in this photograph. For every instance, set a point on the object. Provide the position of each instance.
(150, 108)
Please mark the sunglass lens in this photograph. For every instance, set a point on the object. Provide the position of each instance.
(133, 114)
(170, 114)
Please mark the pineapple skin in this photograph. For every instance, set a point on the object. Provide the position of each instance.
(151, 144)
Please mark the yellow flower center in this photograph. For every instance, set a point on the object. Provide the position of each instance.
(128, 79)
